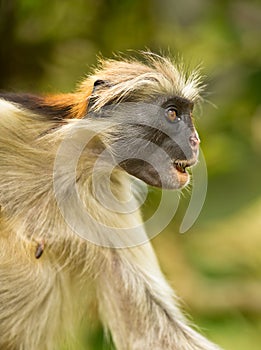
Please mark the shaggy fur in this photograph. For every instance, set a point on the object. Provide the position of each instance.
(49, 274)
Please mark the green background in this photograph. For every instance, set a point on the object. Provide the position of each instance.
(48, 46)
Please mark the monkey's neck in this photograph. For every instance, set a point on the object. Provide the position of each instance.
(98, 204)
(49, 195)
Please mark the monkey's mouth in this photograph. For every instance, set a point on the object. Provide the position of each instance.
(172, 175)
(182, 165)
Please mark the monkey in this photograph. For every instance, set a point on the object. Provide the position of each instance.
(69, 232)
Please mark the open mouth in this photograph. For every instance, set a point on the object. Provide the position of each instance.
(182, 165)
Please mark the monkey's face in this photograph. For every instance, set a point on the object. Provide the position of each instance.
(155, 142)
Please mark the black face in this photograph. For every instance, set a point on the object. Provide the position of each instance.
(155, 141)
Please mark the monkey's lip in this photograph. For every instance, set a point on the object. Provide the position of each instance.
(182, 165)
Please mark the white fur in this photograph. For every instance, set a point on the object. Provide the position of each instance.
(44, 300)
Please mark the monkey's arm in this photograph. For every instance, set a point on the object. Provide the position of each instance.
(139, 307)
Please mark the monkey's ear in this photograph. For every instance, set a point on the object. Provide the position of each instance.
(97, 84)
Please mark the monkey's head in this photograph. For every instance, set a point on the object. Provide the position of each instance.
(149, 106)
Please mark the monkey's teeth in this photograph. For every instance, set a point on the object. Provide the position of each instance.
(180, 166)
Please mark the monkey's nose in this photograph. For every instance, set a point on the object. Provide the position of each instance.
(194, 140)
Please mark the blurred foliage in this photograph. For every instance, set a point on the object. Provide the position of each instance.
(47, 46)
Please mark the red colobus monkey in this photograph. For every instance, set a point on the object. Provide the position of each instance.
(69, 231)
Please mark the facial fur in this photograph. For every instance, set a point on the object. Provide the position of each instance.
(146, 142)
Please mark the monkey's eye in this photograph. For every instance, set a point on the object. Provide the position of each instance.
(172, 114)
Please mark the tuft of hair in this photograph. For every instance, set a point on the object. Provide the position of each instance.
(134, 80)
